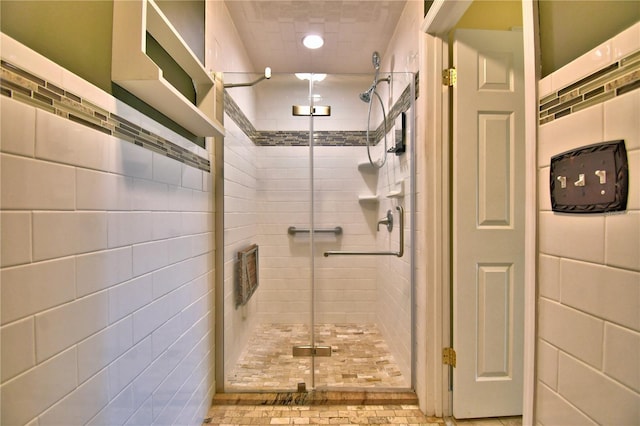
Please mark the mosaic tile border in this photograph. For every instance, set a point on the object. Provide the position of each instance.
(608, 82)
(27, 88)
(321, 138)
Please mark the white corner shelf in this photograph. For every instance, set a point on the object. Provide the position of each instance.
(132, 68)
(366, 167)
(398, 191)
(368, 199)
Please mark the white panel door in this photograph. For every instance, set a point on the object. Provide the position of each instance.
(488, 223)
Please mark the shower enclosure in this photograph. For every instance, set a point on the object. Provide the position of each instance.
(318, 243)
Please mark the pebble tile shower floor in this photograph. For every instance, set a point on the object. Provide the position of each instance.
(360, 358)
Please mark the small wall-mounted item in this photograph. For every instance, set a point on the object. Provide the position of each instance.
(590, 179)
(401, 135)
(247, 274)
(318, 111)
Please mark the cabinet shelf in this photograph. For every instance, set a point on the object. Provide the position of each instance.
(135, 71)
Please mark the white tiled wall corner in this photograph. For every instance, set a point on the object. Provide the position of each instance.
(549, 277)
(92, 220)
(544, 191)
(548, 359)
(588, 268)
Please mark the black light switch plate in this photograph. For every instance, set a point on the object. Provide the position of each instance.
(590, 179)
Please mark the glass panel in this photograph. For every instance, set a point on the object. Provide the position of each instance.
(359, 307)
(363, 302)
(266, 175)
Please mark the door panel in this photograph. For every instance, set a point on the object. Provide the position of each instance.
(488, 223)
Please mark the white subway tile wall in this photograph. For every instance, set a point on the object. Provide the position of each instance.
(589, 274)
(107, 268)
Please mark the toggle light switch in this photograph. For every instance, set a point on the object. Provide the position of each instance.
(588, 168)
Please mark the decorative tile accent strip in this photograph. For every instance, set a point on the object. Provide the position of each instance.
(606, 83)
(25, 87)
(321, 138)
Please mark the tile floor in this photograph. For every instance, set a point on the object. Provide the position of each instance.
(359, 358)
(321, 415)
(338, 415)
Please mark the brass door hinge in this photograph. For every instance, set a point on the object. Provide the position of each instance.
(449, 356)
(449, 77)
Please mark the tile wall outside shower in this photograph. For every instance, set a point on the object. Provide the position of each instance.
(589, 265)
(107, 268)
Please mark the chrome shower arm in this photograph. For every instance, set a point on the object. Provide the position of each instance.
(230, 85)
(267, 75)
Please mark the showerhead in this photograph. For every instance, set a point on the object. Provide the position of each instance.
(366, 95)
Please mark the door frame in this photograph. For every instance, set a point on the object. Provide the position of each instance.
(435, 394)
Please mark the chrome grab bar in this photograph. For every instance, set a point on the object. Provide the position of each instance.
(398, 253)
(293, 230)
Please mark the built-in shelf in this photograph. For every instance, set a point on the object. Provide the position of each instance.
(366, 167)
(134, 70)
(368, 199)
(397, 191)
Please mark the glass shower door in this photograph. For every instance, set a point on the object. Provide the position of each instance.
(298, 185)
(363, 276)
(267, 201)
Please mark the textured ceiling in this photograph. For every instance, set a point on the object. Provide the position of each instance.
(272, 33)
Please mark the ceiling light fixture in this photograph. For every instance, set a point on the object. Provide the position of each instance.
(312, 41)
(309, 76)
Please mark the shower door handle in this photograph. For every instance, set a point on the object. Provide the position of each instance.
(398, 253)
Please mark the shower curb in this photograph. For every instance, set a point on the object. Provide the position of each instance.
(317, 398)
